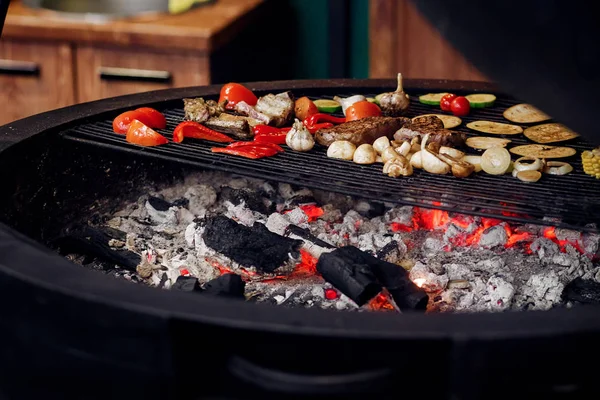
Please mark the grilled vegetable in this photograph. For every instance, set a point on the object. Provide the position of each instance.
(194, 130)
(158, 120)
(148, 116)
(451, 152)
(432, 99)
(393, 104)
(362, 109)
(497, 128)
(529, 176)
(381, 144)
(541, 151)
(416, 160)
(389, 153)
(348, 101)
(430, 162)
(525, 114)
(142, 135)
(481, 100)
(328, 106)
(299, 138)
(304, 108)
(460, 169)
(495, 160)
(446, 101)
(233, 93)
(448, 120)
(365, 154)
(341, 149)
(591, 162)
(460, 106)
(315, 119)
(396, 167)
(404, 149)
(557, 168)
(527, 164)
(483, 142)
(475, 161)
(549, 133)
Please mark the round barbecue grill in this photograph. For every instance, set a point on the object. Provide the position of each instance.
(69, 332)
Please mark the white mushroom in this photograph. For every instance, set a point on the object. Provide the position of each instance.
(460, 169)
(381, 144)
(398, 167)
(388, 154)
(365, 154)
(342, 149)
(404, 149)
(451, 152)
(299, 138)
(429, 160)
(416, 160)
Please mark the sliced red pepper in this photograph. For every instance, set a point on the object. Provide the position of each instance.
(266, 129)
(142, 135)
(314, 128)
(276, 138)
(122, 121)
(237, 152)
(192, 129)
(256, 145)
(320, 117)
(158, 119)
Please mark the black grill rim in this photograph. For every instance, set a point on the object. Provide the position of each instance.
(28, 268)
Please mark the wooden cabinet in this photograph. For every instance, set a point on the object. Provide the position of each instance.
(401, 40)
(108, 72)
(34, 77)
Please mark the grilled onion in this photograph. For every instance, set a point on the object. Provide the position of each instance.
(557, 168)
(533, 164)
(529, 175)
(495, 161)
(475, 161)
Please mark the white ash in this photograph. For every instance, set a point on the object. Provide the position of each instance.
(483, 277)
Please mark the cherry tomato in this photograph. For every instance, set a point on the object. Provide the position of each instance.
(158, 119)
(234, 93)
(446, 100)
(362, 109)
(142, 135)
(460, 106)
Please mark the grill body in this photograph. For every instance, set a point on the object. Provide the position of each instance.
(79, 334)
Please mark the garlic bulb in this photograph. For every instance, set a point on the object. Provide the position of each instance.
(394, 103)
(365, 154)
(341, 149)
(299, 138)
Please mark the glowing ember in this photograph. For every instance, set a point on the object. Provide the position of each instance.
(381, 302)
(419, 282)
(184, 272)
(307, 265)
(312, 212)
(432, 219)
(331, 294)
(398, 227)
(244, 273)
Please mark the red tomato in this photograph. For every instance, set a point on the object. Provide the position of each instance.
(446, 100)
(362, 109)
(158, 119)
(142, 135)
(122, 122)
(234, 93)
(460, 106)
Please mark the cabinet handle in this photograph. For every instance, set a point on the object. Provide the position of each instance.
(13, 67)
(134, 75)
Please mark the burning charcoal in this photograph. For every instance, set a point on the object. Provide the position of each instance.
(254, 200)
(254, 246)
(351, 275)
(228, 285)
(94, 242)
(545, 248)
(299, 200)
(392, 252)
(306, 235)
(500, 293)
(159, 204)
(427, 279)
(187, 284)
(369, 209)
(493, 237)
(583, 291)
(544, 290)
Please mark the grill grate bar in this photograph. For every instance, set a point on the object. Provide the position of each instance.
(566, 201)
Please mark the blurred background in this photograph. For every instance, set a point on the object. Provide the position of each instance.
(54, 53)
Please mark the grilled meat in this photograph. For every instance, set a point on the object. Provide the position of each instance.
(230, 117)
(271, 109)
(233, 127)
(433, 126)
(201, 110)
(361, 131)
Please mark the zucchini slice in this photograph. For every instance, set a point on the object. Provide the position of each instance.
(549, 133)
(328, 106)
(373, 100)
(432, 99)
(525, 114)
(481, 100)
(450, 121)
(541, 151)
(496, 128)
(484, 142)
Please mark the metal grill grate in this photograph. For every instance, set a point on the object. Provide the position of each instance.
(566, 201)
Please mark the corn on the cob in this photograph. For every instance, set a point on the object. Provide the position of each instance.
(591, 162)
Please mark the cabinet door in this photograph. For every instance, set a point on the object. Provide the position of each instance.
(108, 72)
(34, 77)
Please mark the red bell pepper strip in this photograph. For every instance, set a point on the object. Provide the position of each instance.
(276, 138)
(322, 117)
(271, 146)
(194, 130)
(238, 152)
(158, 119)
(314, 128)
(142, 135)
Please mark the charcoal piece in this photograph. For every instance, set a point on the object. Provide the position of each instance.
(300, 200)
(370, 209)
(227, 285)
(113, 233)
(249, 246)
(254, 200)
(390, 252)
(163, 281)
(159, 204)
(583, 291)
(187, 284)
(394, 278)
(351, 275)
(89, 241)
(183, 202)
(306, 235)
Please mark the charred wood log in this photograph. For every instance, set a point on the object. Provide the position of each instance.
(254, 246)
(187, 284)
(89, 241)
(305, 234)
(361, 277)
(227, 285)
(583, 291)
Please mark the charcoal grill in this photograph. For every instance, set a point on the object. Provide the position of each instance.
(76, 333)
